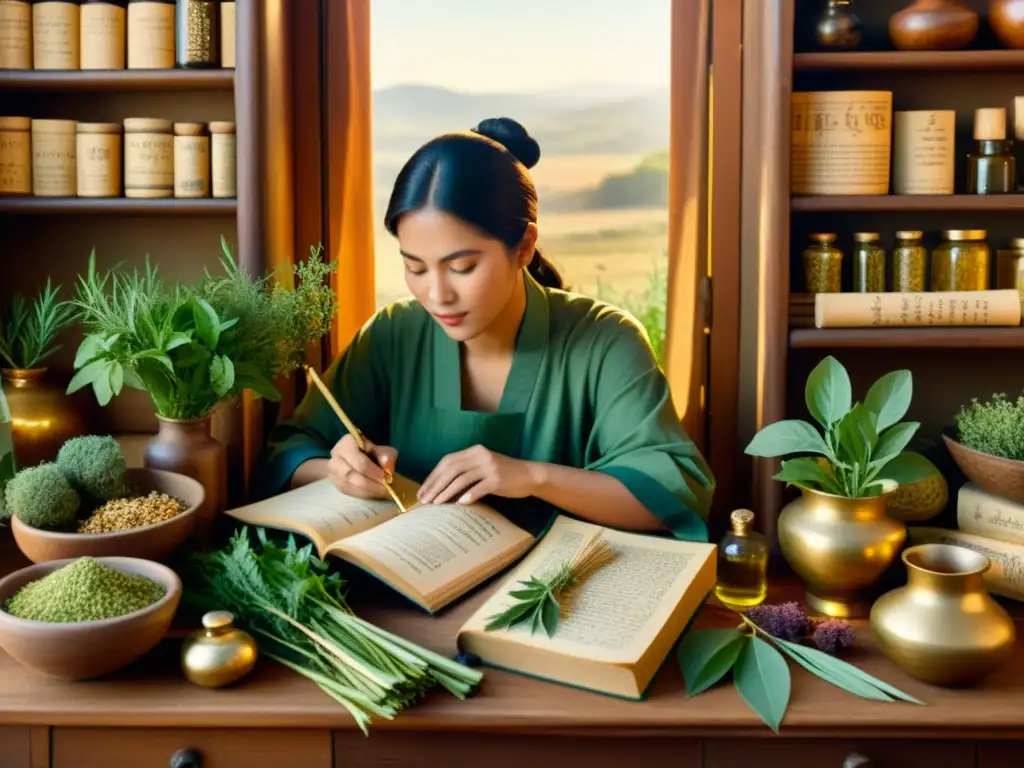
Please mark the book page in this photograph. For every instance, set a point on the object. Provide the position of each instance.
(319, 511)
(617, 611)
(434, 546)
(985, 514)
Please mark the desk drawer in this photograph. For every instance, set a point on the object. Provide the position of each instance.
(15, 751)
(216, 748)
(838, 753)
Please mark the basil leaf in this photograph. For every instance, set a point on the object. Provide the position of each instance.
(786, 437)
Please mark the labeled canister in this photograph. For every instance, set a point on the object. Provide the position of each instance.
(99, 159)
(15, 156)
(54, 163)
(103, 34)
(150, 34)
(223, 159)
(15, 34)
(55, 34)
(148, 157)
(191, 160)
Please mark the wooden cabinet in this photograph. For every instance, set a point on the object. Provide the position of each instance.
(838, 753)
(1001, 754)
(15, 749)
(212, 748)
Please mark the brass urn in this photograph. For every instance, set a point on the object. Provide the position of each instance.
(42, 416)
(943, 627)
(839, 547)
(219, 654)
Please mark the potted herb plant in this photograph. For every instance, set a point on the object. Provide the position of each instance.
(837, 535)
(41, 419)
(193, 347)
(988, 444)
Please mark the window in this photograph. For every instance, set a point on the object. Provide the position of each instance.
(589, 79)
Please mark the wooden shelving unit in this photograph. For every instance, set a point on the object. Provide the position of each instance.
(119, 206)
(938, 203)
(124, 80)
(906, 338)
(908, 61)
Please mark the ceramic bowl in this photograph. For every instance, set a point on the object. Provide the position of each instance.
(1003, 477)
(152, 542)
(89, 648)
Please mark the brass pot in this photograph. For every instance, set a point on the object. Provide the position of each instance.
(42, 416)
(840, 547)
(187, 446)
(943, 627)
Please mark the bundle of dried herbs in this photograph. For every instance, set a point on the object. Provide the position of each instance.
(286, 597)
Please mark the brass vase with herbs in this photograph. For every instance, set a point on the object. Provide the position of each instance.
(838, 536)
(42, 416)
(194, 347)
(943, 627)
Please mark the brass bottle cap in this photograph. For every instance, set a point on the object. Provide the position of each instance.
(963, 234)
(909, 234)
(741, 520)
(218, 619)
(865, 237)
(823, 237)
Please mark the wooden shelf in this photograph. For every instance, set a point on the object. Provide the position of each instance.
(120, 206)
(907, 338)
(118, 80)
(909, 60)
(994, 203)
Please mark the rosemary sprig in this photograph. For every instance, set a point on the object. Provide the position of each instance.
(538, 603)
(28, 332)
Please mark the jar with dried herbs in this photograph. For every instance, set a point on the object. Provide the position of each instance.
(868, 263)
(909, 262)
(823, 264)
(960, 261)
(1010, 265)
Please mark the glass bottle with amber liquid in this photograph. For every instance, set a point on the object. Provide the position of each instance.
(742, 563)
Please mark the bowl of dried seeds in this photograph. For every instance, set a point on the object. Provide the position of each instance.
(86, 617)
(153, 518)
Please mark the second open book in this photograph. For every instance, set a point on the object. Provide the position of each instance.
(433, 554)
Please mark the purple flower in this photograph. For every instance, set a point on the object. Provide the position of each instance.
(785, 621)
(832, 635)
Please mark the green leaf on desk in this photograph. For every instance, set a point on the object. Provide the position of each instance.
(705, 655)
(843, 675)
(761, 677)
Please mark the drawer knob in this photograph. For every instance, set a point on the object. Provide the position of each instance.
(857, 760)
(189, 758)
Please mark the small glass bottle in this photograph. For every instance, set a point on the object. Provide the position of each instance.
(991, 168)
(823, 264)
(1010, 266)
(868, 263)
(7, 466)
(909, 262)
(197, 33)
(960, 261)
(742, 563)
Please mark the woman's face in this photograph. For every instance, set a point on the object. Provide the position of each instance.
(463, 277)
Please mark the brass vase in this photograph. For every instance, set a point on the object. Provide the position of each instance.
(933, 25)
(42, 416)
(188, 446)
(839, 547)
(943, 627)
(1006, 18)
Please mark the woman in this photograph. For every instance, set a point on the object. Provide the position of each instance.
(491, 381)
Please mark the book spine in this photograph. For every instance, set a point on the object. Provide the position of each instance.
(985, 514)
(1005, 577)
(936, 308)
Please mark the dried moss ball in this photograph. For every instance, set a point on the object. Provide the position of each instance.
(42, 497)
(94, 465)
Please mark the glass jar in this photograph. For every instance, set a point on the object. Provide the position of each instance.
(992, 168)
(960, 261)
(909, 262)
(1010, 265)
(823, 264)
(868, 263)
(197, 36)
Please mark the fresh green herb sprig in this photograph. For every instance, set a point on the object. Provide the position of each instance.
(859, 451)
(287, 598)
(760, 673)
(994, 426)
(27, 333)
(538, 604)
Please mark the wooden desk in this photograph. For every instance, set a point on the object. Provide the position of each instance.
(141, 716)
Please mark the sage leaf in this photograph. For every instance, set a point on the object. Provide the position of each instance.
(761, 677)
(101, 385)
(91, 346)
(828, 392)
(889, 397)
(834, 668)
(786, 437)
(857, 434)
(908, 467)
(549, 614)
(836, 676)
(86, 375)
(893, 441)
(806, 473)
(222, 375)
(116, 372)
(207, 322)
(705, 655)
(177, 339)
(132, 379)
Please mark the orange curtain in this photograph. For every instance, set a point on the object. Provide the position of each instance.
(349, 165)
(688, 286)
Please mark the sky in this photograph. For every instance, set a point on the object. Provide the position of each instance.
(481, 46)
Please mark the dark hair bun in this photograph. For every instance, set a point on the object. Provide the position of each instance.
(513, 137)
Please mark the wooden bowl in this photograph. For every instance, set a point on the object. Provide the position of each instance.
(152, 542)
(89, 648)
(1002, 477)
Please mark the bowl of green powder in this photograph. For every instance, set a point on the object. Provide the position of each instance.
(86, 617)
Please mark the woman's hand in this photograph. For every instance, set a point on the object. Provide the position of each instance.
(469, 475)
(355, 473)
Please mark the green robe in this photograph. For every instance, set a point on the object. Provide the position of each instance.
(584, 391)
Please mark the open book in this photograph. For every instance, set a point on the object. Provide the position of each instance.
(620, 623)
(432, 554)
